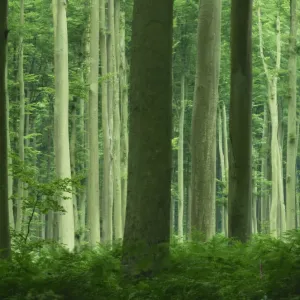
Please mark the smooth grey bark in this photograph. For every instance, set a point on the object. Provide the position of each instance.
(147, 231)
(204, 117)
(4, 217)
(61, 128)
(110, 98)
(93, 204)
(240, 123)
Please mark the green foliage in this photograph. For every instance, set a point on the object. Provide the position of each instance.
(265, 268)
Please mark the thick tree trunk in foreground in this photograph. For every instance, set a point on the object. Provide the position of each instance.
(240, 134)
(147, 230)
(4, 219)
(204, 119)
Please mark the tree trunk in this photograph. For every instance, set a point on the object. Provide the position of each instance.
(264, 197)
(124, 118)
(147, 230)
(226, 163)
(110, 99)
(61, 111)
(277, 211)
(292, 110)
(19, 218)
(180, 161)
(9, 159)
(223, 176)
(106, 217)
(204, 119)
(240, 129)
(93, 171)
(4, 217)
(114, 15)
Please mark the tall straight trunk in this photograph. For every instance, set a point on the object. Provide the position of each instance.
(4, 217)
(264, 197)
(124, 117)
(240, 127)
(292, 110)
(180, 161)
(114, 14)
(226, 164)
(19, 218)
(61, 112)
(222, 165)
(10, 181)
(254, 201)
(73, 142)
(110, 98)
(82, 198)
(93, 204)
(204, 119)
(277, 211)
(147, 230)
(106, 219)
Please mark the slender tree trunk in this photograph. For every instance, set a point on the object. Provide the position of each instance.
(61, 109)
(9, 159)
(4, 217)
(93, 175)
(226, 163)
(254, 202)
(19, 218)
(222, 165)
(292, 109)
(277, 211)
(106, 222)
(240, 127)
(110, 99)
(264, 197)
(147, 231)
(114, 14)
(124, 118)
(180, 162)
(204, 119)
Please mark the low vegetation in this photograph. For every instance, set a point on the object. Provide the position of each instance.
(264, 268)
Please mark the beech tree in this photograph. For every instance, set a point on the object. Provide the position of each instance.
(93, 176)
(240, 132)
(61, 127)
(147, 231)
(4, 218)
(203, 140)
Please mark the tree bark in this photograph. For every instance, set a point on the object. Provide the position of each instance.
(147, 230)
(292, 110)
(240, 127)
(19, 218)
(4, 218)
(61, 112)
(204, 119)
(93, 205)
(180, 161)
(106, 217)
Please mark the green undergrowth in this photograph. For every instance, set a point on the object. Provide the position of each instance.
(265, 268)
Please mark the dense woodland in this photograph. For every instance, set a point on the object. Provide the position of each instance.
(149, 149)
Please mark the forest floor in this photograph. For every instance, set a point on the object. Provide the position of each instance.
(264, 268)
